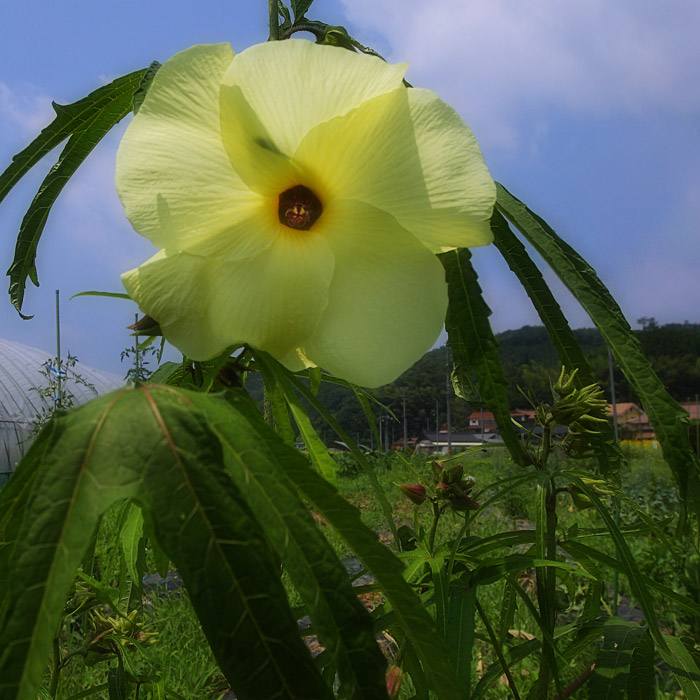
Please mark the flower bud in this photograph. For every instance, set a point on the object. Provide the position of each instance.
(414, 492)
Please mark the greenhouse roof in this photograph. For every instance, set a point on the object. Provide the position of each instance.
(23, 380)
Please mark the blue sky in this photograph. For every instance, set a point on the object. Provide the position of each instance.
(587, 110)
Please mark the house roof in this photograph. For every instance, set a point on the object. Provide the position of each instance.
(623, 407)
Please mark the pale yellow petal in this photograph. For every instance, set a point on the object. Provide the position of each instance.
(174, 290)
(293, 85)
(272, 301)
(387, 300)
(409, 154)
(173, 174)
(251, 149)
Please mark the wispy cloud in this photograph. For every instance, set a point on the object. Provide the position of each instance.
(495, 59)
(24, 109)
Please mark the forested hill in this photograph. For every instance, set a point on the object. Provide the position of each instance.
(530, 363)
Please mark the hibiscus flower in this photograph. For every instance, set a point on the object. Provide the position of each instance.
(299, 194)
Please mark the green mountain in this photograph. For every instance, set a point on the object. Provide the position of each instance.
(531, 365)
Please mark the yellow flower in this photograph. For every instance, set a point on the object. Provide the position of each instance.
(299, 194)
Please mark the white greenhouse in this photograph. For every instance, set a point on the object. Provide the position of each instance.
(23, 372)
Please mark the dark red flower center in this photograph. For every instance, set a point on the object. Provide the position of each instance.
(299, 208)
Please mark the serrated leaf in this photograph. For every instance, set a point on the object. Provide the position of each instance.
(171, 463)
(641, 680)
(341, 622)
(300, 8)
(669, 419)
(140, 94)
(83, 123)
(286, 18)
(609, 678)
(563, 338)
(474, 347)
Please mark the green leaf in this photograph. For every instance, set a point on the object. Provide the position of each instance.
(300, 8)
(114, 295)
(495, 670)
(474, 347)
(411, 616)
(509, 604)
(144, 85)
(460, 631)
(130, 537)
(669, 419)
(289, 384)
(609, 678)
(318, 452)
(683, 665)
(639, 588)
(641, 680)
(494, 570)
(172, 465)
(83, 123)
(563, 338)
(286, 18)
(340, 620)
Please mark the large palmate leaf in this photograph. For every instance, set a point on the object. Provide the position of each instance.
(563, 338)
(155, 446)
(474, 347)
(83, 123)
(670, 421)
(259, 463)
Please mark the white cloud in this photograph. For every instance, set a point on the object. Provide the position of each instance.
(497, 59)
(24, 109)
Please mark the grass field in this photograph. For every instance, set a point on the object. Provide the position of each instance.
(179, 664)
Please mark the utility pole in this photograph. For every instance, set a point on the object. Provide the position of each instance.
(405, 424)
(447, 399)
(58, 353)
(437, 421)
(612, 393)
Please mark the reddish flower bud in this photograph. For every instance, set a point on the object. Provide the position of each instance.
(415, 492)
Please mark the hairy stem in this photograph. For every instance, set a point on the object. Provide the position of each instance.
(274, 20)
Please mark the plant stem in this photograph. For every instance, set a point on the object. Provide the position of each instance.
(546, 591)
(497, 648)
(433, 528)
(274, 20)
(56, 669)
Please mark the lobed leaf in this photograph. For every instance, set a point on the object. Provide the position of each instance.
(258, 463)
(152, 445)
(83, 123)
(474, 347)
(563, 338)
